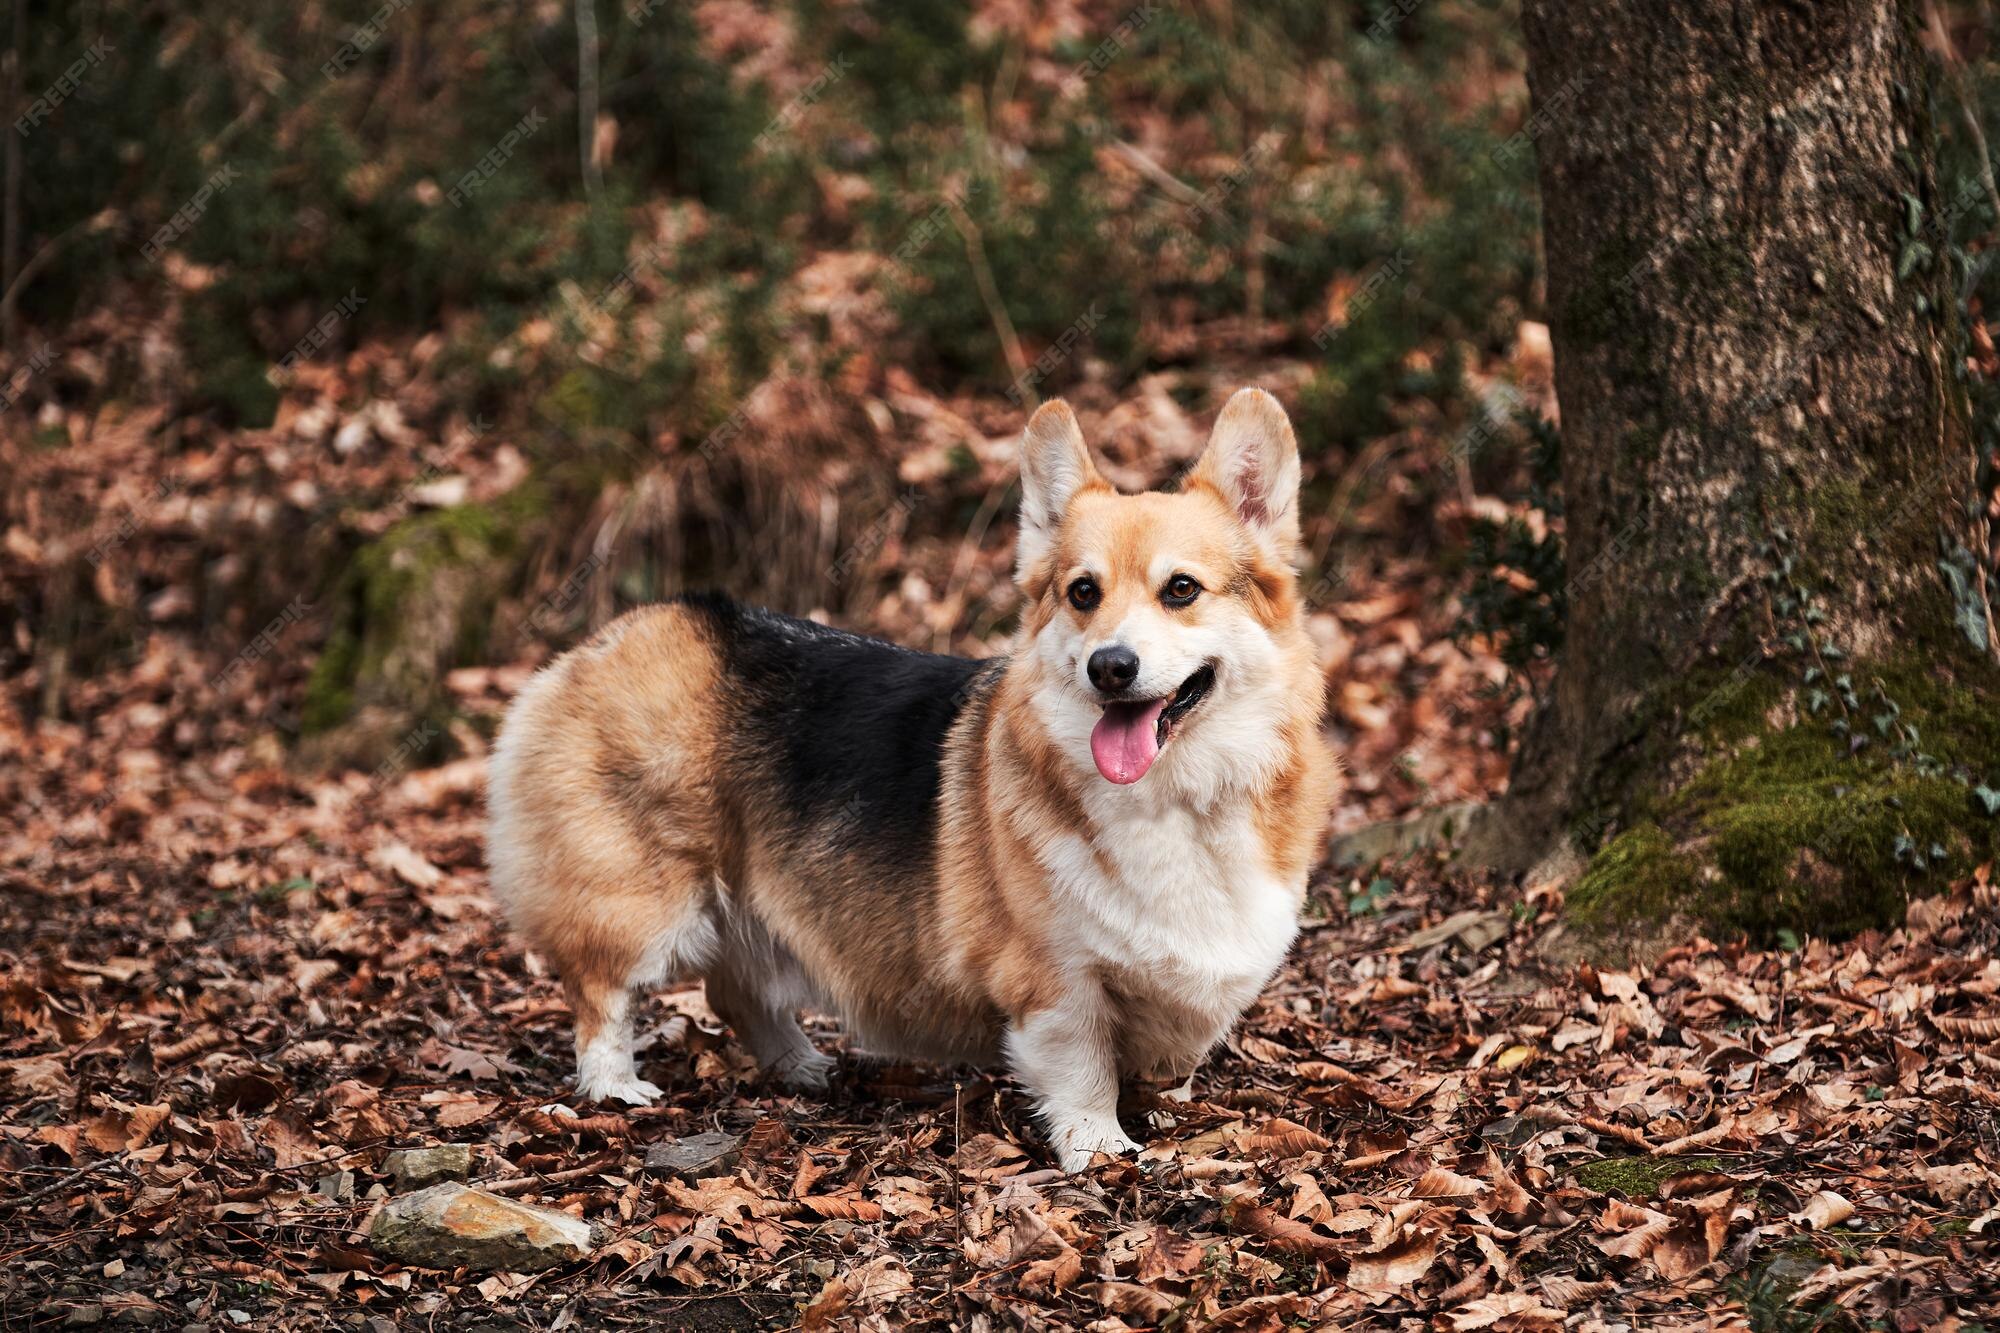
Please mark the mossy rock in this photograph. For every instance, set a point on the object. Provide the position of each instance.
(412, 605)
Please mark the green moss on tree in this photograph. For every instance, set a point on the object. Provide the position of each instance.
(1783, 822)
(1638, 874)
(1839, 512)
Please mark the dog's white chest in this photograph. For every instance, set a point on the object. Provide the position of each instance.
(1179, 911)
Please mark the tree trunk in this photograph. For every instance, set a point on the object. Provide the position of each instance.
(1777, 696)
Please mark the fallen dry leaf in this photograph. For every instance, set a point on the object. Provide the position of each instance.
(1824, 1209)
(1395, 1265)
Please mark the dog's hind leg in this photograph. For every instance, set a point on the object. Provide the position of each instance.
(757, 987)
(605, 1067)
(609, 943)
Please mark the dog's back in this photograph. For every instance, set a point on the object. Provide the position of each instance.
(838, 738)
(699, 772)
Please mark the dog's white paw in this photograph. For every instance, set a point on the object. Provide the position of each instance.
(627, 1088)
(805, 1071)
(1076, 1144)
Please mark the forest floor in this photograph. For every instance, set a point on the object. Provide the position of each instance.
(219, 1010)
(230, 990)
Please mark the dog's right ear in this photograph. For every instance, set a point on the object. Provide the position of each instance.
(1054, 467)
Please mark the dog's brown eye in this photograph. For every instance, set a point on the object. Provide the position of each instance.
(1180, 590)
(1084, 594)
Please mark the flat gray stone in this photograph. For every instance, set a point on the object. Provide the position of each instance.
(1396, 838)
(1510, 1131)
(694, 1157)
(1474, 929)
(414, 1168)
(457, 1226)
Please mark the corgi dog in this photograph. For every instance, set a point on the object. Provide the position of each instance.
(1085, 857)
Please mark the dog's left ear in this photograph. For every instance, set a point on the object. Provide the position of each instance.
(1252, 462)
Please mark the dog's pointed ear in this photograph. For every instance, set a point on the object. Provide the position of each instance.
(1055, 465)
(1252, 462)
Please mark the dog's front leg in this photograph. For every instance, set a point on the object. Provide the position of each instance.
(1067, 1057)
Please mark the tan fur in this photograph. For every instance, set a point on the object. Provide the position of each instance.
(620, 830)
(624, 821)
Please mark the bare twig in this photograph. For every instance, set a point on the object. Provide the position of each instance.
(1149, 167)
(1705, 1138)
(525, 1184)
(957, 1201)
(69, 1181)
(989, 291)
(1968, 102)
(40, 260)
(586, 96)
(10, 241)
(961, 565)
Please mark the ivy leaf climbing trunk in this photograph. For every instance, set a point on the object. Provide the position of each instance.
(1777, 692)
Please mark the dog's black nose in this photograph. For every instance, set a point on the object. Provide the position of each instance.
(1113, 669)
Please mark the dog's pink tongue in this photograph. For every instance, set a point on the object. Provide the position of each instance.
(1126, 740)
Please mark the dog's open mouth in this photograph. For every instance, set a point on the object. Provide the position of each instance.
(1128, 738)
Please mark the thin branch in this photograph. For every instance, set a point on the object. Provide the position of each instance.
(989, 291)
(1146, 165)
(40, 260)
(527, 1183)
(1968, 102)
(10, 234)
(69, 1181)
(586, 96)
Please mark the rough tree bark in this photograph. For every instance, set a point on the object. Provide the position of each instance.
(1767, 468)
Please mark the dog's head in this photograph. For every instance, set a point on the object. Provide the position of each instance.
(1166, 626)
